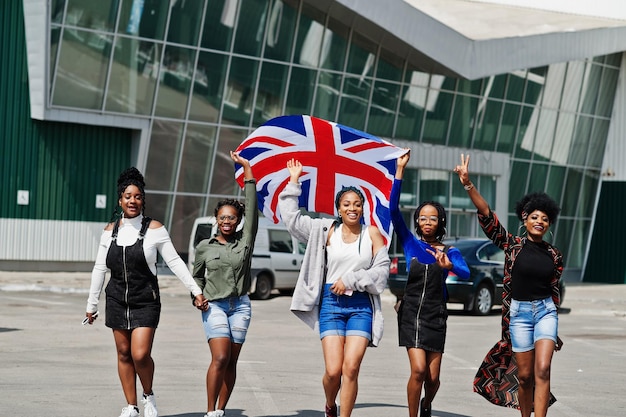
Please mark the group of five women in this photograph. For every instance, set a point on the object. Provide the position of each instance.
(344, 271)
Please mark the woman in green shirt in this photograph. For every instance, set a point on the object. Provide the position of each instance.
(222, 270)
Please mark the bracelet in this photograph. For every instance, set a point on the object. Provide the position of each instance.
(468, 186)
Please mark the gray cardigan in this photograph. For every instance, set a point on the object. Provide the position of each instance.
(314, 232)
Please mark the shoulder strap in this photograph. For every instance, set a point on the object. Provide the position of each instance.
(116, 228)
(145, 223)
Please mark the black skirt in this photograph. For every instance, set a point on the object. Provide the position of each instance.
(120, 315)
(425, 328)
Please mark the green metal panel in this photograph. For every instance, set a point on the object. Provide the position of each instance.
(606, 261)
(62, 165)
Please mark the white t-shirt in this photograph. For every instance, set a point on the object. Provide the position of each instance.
(345, 257)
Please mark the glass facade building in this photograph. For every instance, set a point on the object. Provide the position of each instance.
(203, 74)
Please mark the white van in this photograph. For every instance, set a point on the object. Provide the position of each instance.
(276, 259)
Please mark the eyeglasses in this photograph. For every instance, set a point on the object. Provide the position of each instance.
(225, 217)
(424, 219)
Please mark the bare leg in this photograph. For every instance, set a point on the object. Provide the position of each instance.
(332, 347)
(354, 351)
(125, 365)
(525, 369)
(215, 376)
(142, 339)
(432, 382)
(230, 376)
(419, 372)
(544, 349)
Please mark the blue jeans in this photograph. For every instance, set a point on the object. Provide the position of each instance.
(342, 315)
(532, 321)
(228, 317)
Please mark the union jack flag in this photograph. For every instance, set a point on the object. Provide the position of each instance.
(332, 156)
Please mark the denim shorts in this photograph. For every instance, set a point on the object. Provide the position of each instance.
(532, 321)
(343, 315)
(228, 317)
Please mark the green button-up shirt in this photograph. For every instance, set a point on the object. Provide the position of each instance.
(223, 270)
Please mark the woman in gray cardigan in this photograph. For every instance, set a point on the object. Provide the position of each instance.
(344, 271)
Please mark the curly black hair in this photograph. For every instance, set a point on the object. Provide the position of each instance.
(240, 207)
(537, 201)
(441, 214)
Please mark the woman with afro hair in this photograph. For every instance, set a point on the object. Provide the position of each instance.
(530, 299)
(422, 313)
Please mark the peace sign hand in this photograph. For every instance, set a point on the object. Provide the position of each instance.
(441, 258)
(462, 170)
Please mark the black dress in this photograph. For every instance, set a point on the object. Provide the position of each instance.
(423, 314)
(132, 294)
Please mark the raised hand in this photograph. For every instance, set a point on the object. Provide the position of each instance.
(462, 170)
(295, 169)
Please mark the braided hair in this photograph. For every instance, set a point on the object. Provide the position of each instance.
(441, 215)
(340, 194)
(131, 176)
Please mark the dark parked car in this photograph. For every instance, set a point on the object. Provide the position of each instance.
(481, 292)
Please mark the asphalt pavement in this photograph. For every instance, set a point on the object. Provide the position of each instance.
(52, 365)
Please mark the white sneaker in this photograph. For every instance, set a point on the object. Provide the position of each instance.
(149, 406)
(130, 411)
(216, 413)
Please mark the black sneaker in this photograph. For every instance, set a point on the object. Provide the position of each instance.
(424, 412)
(331, 411)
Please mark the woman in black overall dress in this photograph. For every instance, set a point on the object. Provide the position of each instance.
(128, 249)
(422, 314)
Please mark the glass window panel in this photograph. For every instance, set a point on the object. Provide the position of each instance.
(571, 88)
(164, 150)
(362, 56)
(55, 37)
(99, 15)
(158, 206)
(411, 112)
(185, 22)
(460, 198)
(145, 18)
(598, 139)
(495, 86)
(516, 86)
(473, 87)
(82, 69)
(538, 177)
(464, 120)
(446, 83)
(571, 195)
(614, 60)
(281, 28)
(389, 66)
(176, 75)
(525, 137)
(433, 186)
(554, 186)
(534, 85)
(312, 43)
(327, 95)
(239, 91)
(250, 30)
(591, 89)
(133, 76)
(223, 181)
(587, 195)
(508, 127)
(608, 87)
(418, 78)
(563, 137)
(195, 168)
(577, 244)
(517, 183)
(300, 94)
(208, 87)
(580, 142)
(408, 194)
(219, 21)
(383, 109)
(545, 134)
(487, 187)
(335, 45)
(553, 88)
(57, 7)
(437, 119)
(514, 226)
(270, 93)
(354, 102)
(462, 224)
(563, 233)
(186, 210)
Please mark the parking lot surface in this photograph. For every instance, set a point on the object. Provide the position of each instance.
(52, 365)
